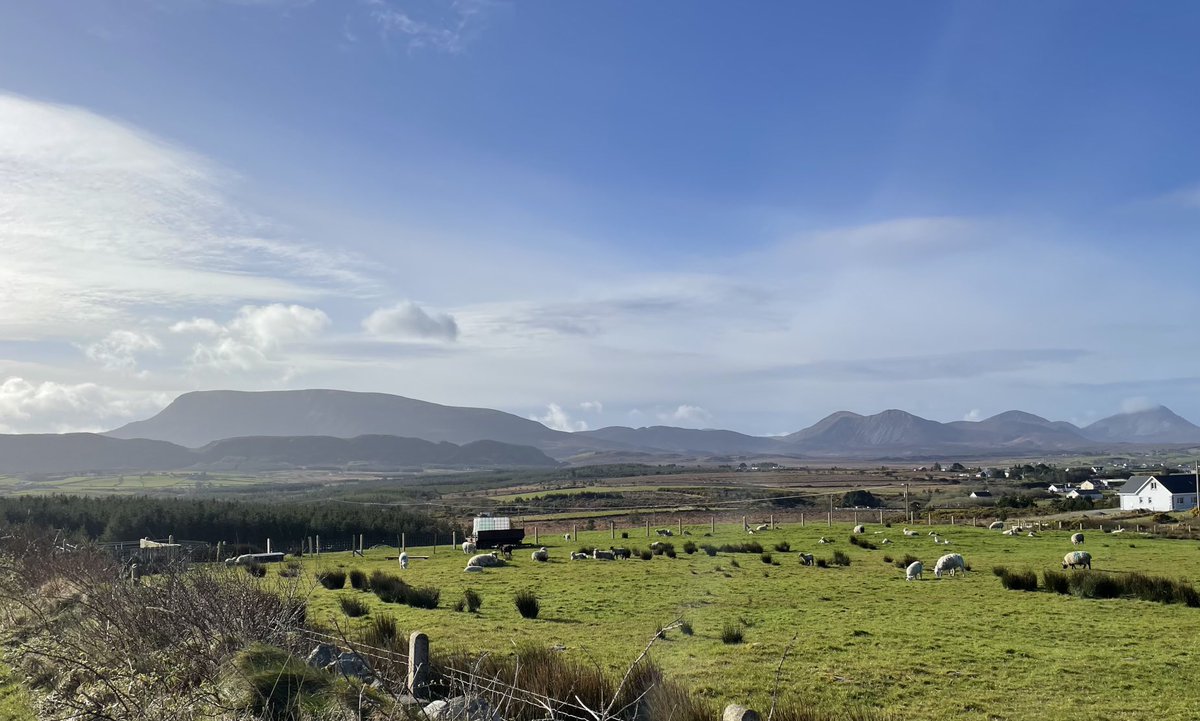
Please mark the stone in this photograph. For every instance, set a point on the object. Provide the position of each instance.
(323, 655)
(461, 708)
(734, 712)
(352, 664)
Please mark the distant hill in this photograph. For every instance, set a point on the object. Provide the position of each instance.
(83, 452)
(890, 430)
(685, 440)
(80, 452)
(1155, 425)
(195, 419)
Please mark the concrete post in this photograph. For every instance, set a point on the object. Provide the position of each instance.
(268, 545)
(318, 553)
(881, 516)
(712, 524)
(418, 665)
(802, 520)
(453, 539)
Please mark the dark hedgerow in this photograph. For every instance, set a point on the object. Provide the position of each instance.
(332, 579)
(749, 547)
(527, 603)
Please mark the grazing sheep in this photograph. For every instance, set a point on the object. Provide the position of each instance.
(1076, 539)
(886, 541)
(566, 536)
(909, 533)
(932, 533)
(995, 525)
(1031, 534)
(824, 540)
(950, 563)
(914, 571)
(507, 550)
(579, 556)
(1010, 532)
(603, 555)
(1119, 530)
(485, 560)
(468, 548)
(664, 532)
(624, 553)
(403, 561)
(806, 559)
(762, 527)
(473, 569)
(859, 529)
(542, 555)
(1077, 559)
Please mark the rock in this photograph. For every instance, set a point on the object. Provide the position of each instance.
(734, 712)
(461, 708)
(351, 664)
(321, 656)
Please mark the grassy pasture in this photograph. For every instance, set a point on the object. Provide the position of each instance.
(956, 648)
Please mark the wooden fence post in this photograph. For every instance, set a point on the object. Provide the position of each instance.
(712, 524)
(679, 526)
(802, 520)
(418, 665)
(574, 532)
(612, 530)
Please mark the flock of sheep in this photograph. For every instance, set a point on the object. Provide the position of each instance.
(948, 564)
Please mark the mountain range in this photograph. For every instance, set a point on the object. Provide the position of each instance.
(330, 428)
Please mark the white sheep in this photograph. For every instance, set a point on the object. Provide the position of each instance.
(950, 563)
(403, 561)
(824, 540)
(1119, 530)
(909, 533)
(860, 529)
(468, 548)
(1010, 532)
(995, 525)
(664, 532)
(485, 560)
(473, 569)
(579, 556)
(1076, 539)
(542, 555)
(566, 536)
(762, 527)
(886, 541)
(1077, 559)
(914, 571)
(599, 555)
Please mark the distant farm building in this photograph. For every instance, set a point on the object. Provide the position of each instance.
(981, 494)
(1159, 493)
(1082, 492)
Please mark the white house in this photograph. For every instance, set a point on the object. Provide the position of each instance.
(1159, 493)
(981, 494)
(1085, 493)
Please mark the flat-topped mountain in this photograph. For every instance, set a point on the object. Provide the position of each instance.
(685, 440)
(194, 419)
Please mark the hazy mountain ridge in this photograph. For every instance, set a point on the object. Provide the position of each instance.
(205, 417)
(82, 452)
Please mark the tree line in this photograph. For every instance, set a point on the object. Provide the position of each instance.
(127, 518)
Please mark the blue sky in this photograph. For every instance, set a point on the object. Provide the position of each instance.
(742, 215)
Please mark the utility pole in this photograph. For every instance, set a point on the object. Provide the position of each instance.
(907, 508)
(1197, 508)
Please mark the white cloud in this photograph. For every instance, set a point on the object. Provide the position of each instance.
(974, 414)
(51, 407)
(102, 222)
(1137, 404)
(409, 321)
(686, 414)
(119, 349)
(558, 419)
(592, 406)
(449, 28)
(255, 338)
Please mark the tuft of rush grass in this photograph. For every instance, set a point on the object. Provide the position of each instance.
(353, 606)
(610, 610)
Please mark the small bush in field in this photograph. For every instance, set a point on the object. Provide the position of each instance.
(527, 603)
(381, 631)
(766, 558)
(783, 547)
(358, 580)
(353, 607)
(1017, 580)
(709, 549)
(332, 579)
(427, 597)
(256, 569)
(907, 561)
(472, 599)
(689, 547)
(732, 633)
(840, 559)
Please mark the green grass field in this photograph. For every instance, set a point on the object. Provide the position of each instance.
(956, 648)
